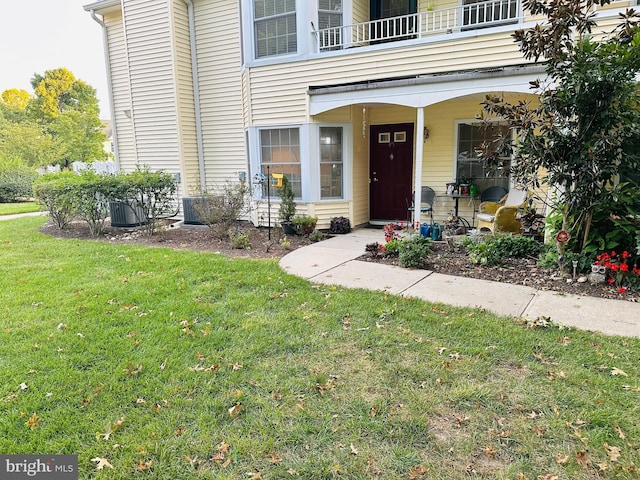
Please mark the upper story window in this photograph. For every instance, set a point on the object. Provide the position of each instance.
(275, 27)
(329, 22)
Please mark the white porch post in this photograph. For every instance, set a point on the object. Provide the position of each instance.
(417, 186)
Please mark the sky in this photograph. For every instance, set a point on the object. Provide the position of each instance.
(40, 35)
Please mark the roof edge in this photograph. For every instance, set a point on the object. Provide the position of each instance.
(431, 78)
(103, 6)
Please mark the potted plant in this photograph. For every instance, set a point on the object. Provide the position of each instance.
(304, 224)
(465, 185)
(287, 207)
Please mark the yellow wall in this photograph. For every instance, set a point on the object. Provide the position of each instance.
(439, 150)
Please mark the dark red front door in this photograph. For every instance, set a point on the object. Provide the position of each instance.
(391, 166)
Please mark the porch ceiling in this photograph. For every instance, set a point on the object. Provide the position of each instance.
(424, 90)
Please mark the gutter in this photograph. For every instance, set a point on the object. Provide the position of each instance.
(105, 42)
(196, 93)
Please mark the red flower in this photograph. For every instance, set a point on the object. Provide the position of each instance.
(610, 280)
(624, 267)
(625, 254)
(622, 290)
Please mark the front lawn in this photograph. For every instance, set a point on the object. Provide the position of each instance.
(19, 207)
(161, 364)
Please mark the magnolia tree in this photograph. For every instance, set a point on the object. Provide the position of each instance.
(581, 136)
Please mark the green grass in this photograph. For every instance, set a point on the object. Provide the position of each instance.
(19, 207)
(136, 355)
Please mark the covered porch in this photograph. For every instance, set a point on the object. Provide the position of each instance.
(412, 134)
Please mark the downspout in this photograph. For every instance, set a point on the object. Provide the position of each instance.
(196, 93)
(105, 41)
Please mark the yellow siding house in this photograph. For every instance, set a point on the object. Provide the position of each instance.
(359, 103)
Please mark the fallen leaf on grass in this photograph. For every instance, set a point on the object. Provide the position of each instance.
(275, 459)
(131, 369)
(620, 432)
(417, 472)
(617, 371)
(354, 450)
(101, 463)
(33, 421)
(582, 459)
(562, 459)
(142, 466)
(235, 410)
(613, 452)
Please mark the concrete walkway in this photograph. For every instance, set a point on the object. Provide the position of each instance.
(333, 261)
(20, 215)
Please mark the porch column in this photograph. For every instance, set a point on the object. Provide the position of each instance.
(417, 187)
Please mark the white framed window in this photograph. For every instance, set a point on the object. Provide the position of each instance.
(280, 151)
(469, 167)
(275, 27)
(330, 17)
(331, 162)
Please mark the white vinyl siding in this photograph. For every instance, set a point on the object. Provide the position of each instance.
(185, 97)
(152, 83)
(221, 79)
(279, 92)
(121, 114)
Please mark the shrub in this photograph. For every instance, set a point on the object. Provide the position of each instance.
(316, 236)
(375, 249)
(53, 190)
(414, 251)
(339, 225)
(239, 240)
(392, 248)
(495, 248)
(152, 192)
(304, 224)
(220, 209)
(89, 198)
(287, 203)
(16, 183)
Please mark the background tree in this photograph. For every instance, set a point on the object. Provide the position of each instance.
(584, 130)
(69, 109)
(28, 144)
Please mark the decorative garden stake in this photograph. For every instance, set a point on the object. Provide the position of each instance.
(562, 237)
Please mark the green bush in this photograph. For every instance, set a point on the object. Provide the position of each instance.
(239, 240)
(153, 192)
(87, 195)
(392, 248)
(90, 193)
(220, 209)
(495, 248)
(16, 183)
(414, 251)
(53, 191)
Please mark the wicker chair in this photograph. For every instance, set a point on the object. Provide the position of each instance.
(502, 216)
